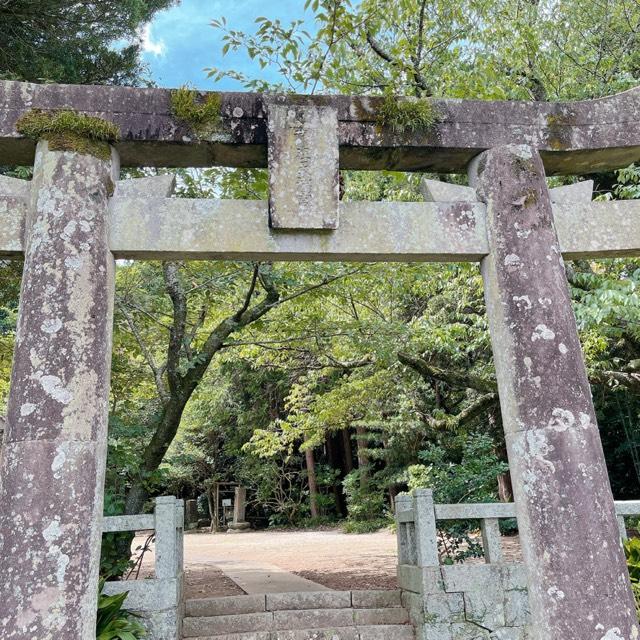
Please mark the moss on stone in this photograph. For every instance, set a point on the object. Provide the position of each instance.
(67, 130)
(408, 114)
(202, 116)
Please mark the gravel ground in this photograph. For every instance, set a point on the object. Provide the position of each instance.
(329, 557)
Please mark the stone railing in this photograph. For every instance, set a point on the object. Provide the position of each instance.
(157, 600)
(467, 600)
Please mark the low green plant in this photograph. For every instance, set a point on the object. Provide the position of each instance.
(203, 116)
(67, 130)
(408, 114)
(365, 498)
(470, 476)
(114, 622)
(366, 526)
(632, 552)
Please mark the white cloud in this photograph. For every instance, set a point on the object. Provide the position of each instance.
(149, 45)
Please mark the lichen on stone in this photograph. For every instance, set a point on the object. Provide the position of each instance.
(202, 115)
(408, 114)
(67, 130)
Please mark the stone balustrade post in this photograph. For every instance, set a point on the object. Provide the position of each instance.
(166, 535)
(578, 582)
(426, 532)
(404, 503)
(53, 462)
(491, 540)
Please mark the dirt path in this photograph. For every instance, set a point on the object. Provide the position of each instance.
(330, 557)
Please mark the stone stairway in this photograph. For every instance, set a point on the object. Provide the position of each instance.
(325, 615)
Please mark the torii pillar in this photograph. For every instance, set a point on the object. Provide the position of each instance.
(578, 582)
(53, 462)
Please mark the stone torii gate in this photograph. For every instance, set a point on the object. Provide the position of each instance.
(74, 218)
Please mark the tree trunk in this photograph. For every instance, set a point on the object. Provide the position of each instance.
(363, 459)
(167, 426)
(336, 462)
(348, 451)
(505, 490)
(313, 483)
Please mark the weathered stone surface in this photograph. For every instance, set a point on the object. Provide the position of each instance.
(231, 229)
(435, 631)
(509, 633)
(468, 631)
(163, 228)
(516, 608)
(225, 606)
(471, 577)
(491, 540)
(375, 599)
(475, 511)
(219, 625)
(52, 468)
(425, 531)
(485, 608)
(337, 633)
(303, 167)
(574, 138)
(308, 600)
(514, 576)
(386, 632)
(149, 187)
(564, 502)
(438, 191)
(443, 608)
(313, 619)
(386, 616)
(572, 194)
(14, 207)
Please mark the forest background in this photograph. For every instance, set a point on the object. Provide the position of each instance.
(326, 389)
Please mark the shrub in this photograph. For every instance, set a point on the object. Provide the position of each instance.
(365, 499)
(632, 552)
(114, 622)
(471, 478)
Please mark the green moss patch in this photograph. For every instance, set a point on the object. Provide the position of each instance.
(202, 115)
(66, 130)
(408, 114)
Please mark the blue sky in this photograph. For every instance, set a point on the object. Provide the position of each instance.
(181, 42)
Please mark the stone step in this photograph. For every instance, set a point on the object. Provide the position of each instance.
(228, 624)
(226, 606)
(386, 632)
(232, 605)
(292, 620)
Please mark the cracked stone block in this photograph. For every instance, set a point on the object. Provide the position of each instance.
(516, 607)
(444, 608)
(485, 608)
(477, 577)
(514, 576)
(469, 631)
(510, 633)
(435, 631)
(304, 171)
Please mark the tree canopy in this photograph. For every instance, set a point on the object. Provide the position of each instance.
(74, 42)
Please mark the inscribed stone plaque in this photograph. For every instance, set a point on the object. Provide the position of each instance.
(303, 167)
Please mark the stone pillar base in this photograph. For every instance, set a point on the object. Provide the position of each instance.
(239, 527)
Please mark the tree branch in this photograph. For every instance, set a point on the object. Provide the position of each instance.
(148, 356)
(452, 378)
(175, 290)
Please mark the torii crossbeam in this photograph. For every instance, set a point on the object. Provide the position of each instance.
(75, 217)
